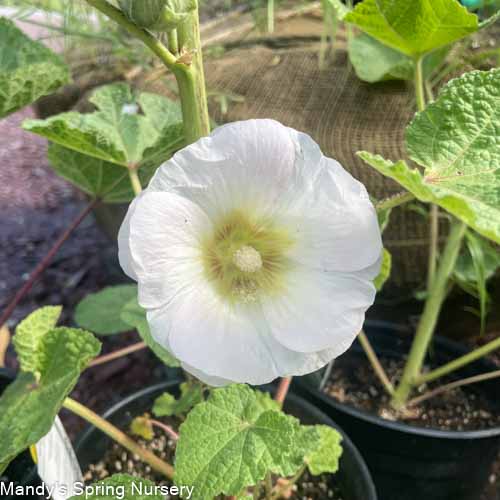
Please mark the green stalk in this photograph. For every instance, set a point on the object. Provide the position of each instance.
(459, 362)
(270, 16)
(375, 363)
(394, 201)
(134, 179)
(428, 320)
(120, 437)
(434, 211)
(191, 81)
(188, 69)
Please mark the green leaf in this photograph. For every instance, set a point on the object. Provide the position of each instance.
(133, 488)
(475, 265)
(123, 128)
(456, 139)
(374, 62)
(414, 28)
(134, 315)
(167, 405)
(28, 69)
(465, 268)
(101, 312)
(385, 270)
(28, 406)
(98, 178)
(142, 427)
(339, 8)
(29, 334)
(325, 458)
(230, 442)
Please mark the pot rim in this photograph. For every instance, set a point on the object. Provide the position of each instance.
(319, 415)
(399, 426)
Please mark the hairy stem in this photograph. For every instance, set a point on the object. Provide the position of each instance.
(134, 179)
(454, 385)
(45, 262)
(458, 363)
(165, 428)
(394, 201)
(434, 211)
(106, 358)
(283, 388)
(268, 486)
(120, 437)
(375, 363)
(428, 320)
(188, 69)
(191, 81)
(433, 244)
(283, 489)
(270, 16)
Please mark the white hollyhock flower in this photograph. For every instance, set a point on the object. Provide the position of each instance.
(57, 464)
(254, 254)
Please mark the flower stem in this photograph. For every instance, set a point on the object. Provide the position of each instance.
(394, 201)
(134, 179)
(428, 320)
(187, 71)
(268, 483)
(270, 16)
(45, 262)
(459, 362)
(166, 428)
(285, 488)
(106, 358)
(283, 389)
(434, 211)
(454, 385)
(191, 81)
(375, 363)
(120, 437)
(433, 244)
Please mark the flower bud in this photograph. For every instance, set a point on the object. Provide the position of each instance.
(157, 15)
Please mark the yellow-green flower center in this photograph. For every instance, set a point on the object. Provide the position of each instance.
(246, 257)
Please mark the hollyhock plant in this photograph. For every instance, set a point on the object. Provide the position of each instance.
(254, 254)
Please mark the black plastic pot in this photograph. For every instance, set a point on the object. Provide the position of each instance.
(408, 462)
(353, 476)
(21, 471)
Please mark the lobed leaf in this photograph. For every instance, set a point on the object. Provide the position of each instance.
(326, 456)
(375, 62)
(457, 141)
(126, 128)
(230, 442)
(101, 312)
(29, 405)
(167, 405)
(29, 334)
(414, 27)
(28, 69)
(385, 270)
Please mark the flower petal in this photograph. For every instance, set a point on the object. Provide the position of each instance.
(57, 463)
(164, 238)
(219, 344)
(254, 163)
(124, 252)
(319, 311)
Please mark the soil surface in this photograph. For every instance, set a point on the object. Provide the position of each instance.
(352, 382)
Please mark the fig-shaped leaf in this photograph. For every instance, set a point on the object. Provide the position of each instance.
(414, 27)
(457, 142)
(28, 69)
